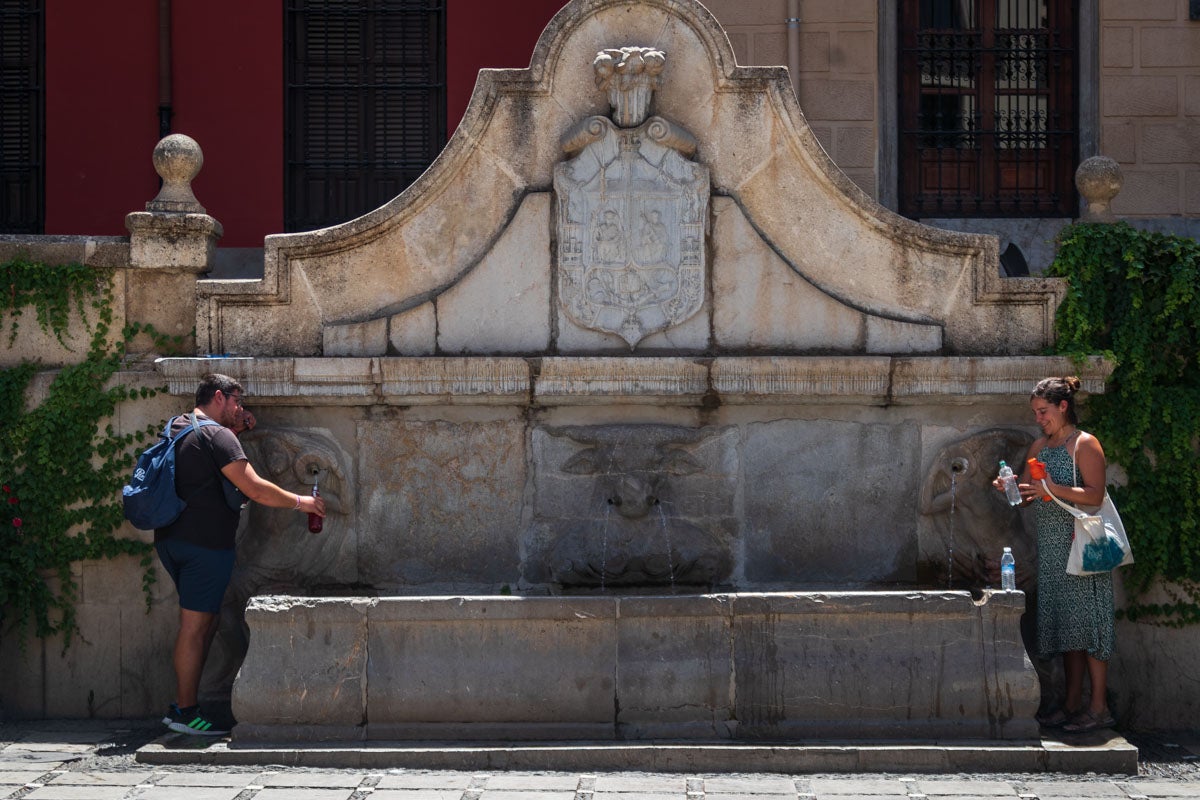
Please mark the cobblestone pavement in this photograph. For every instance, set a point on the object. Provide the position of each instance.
(56, 760)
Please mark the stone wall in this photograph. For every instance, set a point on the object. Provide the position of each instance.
(1149, 104)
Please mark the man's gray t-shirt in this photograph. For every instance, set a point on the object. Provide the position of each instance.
(208, 520)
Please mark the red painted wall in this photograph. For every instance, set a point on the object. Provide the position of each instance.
(102, 112)
(102, 102)
(229, 98)
(101, 121)
(485, 33)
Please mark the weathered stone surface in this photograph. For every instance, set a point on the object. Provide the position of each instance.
(442, 664)
(592, 381)
(301, 633)
(184, 242)
(891, 676)
(751, 137)
(749, 274)
(502, 305)
(808, 523)
(920, 665)
(356, 339)
(669, 684)
(634, 505)
(443, 502)
(414, 332)
(453, 380)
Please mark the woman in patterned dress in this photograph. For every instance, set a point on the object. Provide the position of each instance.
(1075, 613)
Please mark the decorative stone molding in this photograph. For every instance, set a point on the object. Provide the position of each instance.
(565, 381)
(424, 381)
(803, 380)
(917, 379)
(600, 381)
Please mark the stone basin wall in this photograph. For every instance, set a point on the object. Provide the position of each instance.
(847, 665)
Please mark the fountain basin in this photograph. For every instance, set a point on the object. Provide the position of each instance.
(744, 666)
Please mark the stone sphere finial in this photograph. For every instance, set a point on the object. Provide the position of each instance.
(1099, 180)
(177, 160)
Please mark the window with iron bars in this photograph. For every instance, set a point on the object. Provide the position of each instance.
(365, 104)
(988, 108)
(22, 117)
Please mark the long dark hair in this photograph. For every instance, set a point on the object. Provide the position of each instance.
(1055, 390)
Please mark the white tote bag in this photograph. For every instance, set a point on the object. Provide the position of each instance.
(1100, 543)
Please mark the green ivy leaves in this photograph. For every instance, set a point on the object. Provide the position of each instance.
(1134, 296)
(61, 471)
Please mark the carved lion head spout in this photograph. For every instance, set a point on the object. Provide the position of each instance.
(639, 508)
(629, 75)
(970, 519)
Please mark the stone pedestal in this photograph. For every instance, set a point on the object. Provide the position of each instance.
(171, 243)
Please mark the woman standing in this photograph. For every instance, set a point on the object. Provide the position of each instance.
(1075, 613)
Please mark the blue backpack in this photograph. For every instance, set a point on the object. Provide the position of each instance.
(149, 497)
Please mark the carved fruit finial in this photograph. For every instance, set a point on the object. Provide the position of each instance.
(629, 75)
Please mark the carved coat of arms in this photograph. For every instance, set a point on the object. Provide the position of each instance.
(632, 209)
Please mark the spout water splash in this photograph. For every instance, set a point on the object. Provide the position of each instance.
(666, 531)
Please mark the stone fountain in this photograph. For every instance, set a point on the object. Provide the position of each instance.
(635, 418)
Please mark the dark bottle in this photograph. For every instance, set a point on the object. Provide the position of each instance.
(315, 521)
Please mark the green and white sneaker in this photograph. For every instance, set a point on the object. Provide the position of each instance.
(188, 720)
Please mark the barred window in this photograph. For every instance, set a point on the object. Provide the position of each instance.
(988, 108)
(22, 116)
(365, 104)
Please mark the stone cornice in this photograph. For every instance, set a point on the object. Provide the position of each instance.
(733, 380)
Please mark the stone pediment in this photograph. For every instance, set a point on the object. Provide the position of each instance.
(467, 260)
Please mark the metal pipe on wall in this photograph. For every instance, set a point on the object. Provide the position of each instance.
(165, 99)
(793, 43)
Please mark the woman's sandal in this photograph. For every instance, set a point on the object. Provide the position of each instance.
(1086, 722)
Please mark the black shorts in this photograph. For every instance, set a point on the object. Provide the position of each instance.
(201, 575)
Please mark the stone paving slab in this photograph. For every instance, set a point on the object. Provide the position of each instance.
(208, 778)
(851, 786)
(191, 793)
(100, 778)
(426, 780)
(314, 780)
(19, 777)
(938, 788)
(78, 793)
(417, 794)
(1160, 789)
(1063, 790)
(750, 786)
(304, 794)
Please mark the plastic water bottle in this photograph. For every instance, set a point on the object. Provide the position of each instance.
(1008, 571)
(1010, 485)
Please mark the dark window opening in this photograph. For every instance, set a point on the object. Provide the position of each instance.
(365, 104)
(22, 117)
(988, 120)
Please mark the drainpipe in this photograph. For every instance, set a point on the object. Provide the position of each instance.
(164, 68)
(793, 43)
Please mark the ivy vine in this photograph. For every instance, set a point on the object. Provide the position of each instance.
(1135, 297)
(61, 463)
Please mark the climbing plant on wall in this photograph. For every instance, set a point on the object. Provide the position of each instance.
(1135, 296)
(61, 462)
